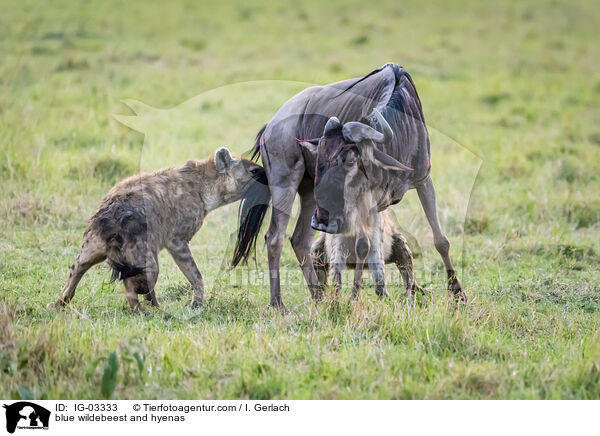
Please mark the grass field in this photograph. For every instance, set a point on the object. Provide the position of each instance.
(511, 86)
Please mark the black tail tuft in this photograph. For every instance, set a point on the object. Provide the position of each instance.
(253, 208)
(256, 149)
(122, 270)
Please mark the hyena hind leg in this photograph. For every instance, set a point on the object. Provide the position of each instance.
(402, 257)
(151, 297)
(92, 252)
(142, 284)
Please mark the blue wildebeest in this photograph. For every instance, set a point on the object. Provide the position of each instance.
(389, 148)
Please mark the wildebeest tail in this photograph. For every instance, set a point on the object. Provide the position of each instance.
(255, 153)
(253, 208)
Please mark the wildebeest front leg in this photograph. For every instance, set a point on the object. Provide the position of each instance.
(185, 261)
(426, 193)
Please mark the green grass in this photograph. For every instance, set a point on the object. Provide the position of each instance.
(515, 84)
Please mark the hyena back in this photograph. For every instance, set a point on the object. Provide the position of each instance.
(146, 213)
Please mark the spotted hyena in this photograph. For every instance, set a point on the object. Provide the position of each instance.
(145, 213)
(375, 240)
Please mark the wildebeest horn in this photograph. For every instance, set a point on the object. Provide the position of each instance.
(357, 132)
(332, 123)
(387, 131)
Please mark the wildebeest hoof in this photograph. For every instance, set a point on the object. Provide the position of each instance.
(195, 304)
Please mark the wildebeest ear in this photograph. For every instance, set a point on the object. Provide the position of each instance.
(387, 162)
(310, 146)
(224, 162)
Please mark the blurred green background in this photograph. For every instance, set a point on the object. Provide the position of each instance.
(513, 86)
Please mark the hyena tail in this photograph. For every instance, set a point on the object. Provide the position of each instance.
(253, 208)
(119, 223)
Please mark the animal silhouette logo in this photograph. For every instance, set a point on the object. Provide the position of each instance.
(26, 415)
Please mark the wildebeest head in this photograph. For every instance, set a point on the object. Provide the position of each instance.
(346, 160)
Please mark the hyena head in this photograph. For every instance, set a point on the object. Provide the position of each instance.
(233, 175)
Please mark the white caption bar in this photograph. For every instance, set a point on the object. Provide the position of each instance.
(298, 417)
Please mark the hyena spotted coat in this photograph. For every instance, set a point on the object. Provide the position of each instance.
(376, 240)
(146, 213)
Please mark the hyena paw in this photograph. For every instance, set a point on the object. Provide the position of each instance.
(455, 289)
(415, 290)
(382, 292)
(196, 304)
(55, 304)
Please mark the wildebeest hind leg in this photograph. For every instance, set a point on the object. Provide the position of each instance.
(301, 243)
(185, 261)
(426, 193)
(92, 252)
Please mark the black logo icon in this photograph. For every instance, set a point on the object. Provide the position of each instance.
(26, 415)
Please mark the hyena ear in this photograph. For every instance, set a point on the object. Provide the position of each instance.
(310, 146)
(224, 162)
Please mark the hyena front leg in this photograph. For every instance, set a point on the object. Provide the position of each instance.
(185, 261)
(320, 261)
(361, 250)
(92, 252)
(402, 257)
(376, 260)
(337, 262)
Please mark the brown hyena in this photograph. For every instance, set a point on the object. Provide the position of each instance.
(376, 241)
(145, 213)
